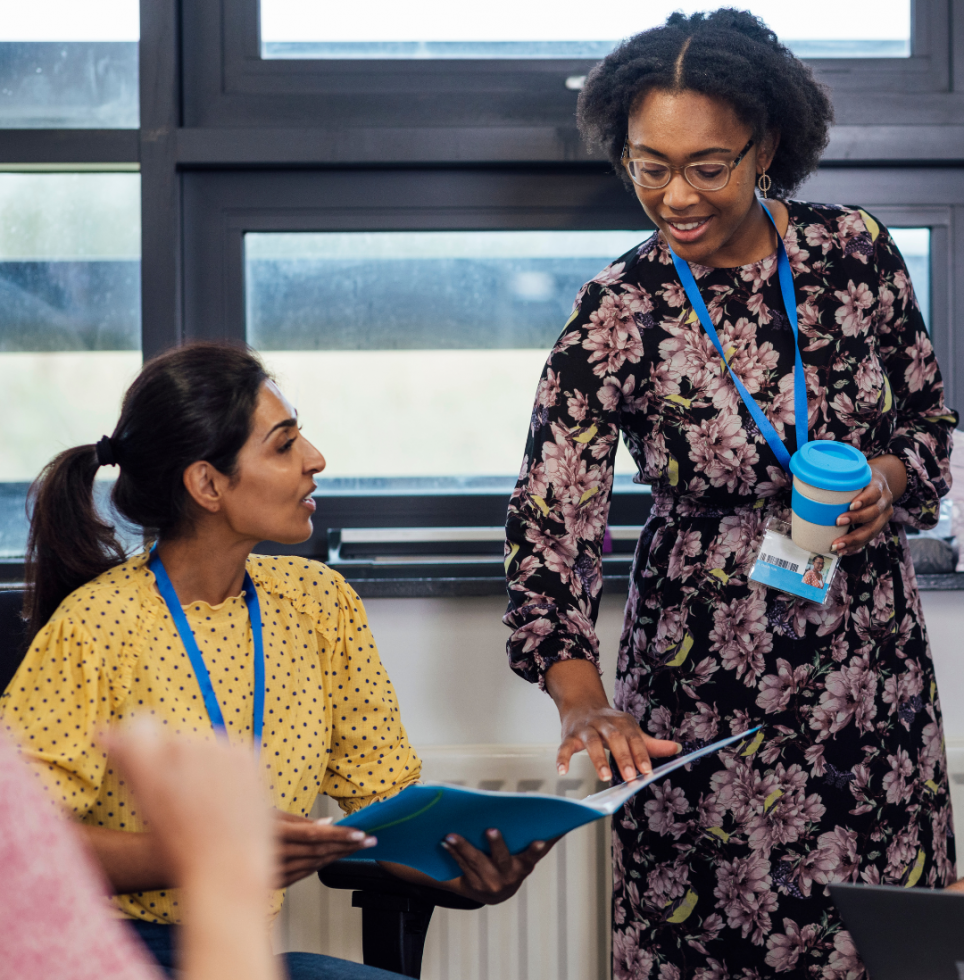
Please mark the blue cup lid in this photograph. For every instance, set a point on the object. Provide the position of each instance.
(831, 465)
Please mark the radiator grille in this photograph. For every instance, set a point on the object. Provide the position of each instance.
(555, 928)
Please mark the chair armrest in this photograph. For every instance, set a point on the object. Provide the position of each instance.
(370, 877)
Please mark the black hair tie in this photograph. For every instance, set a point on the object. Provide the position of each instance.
(105, 452)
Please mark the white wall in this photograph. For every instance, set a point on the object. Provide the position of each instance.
(447, 660)
(944, 615)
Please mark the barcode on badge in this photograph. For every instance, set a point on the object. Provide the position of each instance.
(781, 563)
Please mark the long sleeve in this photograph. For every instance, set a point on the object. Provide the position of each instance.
(559, 508)
(371, 757)
(923, 426)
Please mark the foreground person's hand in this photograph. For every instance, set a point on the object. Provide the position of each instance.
(208, 820)
(203, 800)
(589, 722)
(305, 846)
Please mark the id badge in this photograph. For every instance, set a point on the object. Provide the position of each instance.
(783, 566)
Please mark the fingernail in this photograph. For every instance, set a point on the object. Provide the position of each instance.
(855, 505)
(450, 839)
(539, 845)
(492, 834)
(647, 769)
(445, 844)
(357, 835)
(325, 820)
(679, 747)
(370, 842)
(629, 774)
(842, 520)
(606, 774)
(561, 769)
(833, 547)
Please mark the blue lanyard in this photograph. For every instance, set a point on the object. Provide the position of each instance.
(194, 654)
(800, 416)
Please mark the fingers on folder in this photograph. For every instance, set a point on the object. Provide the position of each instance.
(492, 878)
(630, 747)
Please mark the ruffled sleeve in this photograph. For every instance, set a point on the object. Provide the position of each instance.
(923, 425)
(58, 702)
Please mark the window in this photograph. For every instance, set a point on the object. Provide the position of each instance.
(433, 342)
(915, 246)
(69, 311)
(69, 65)
(431, 29)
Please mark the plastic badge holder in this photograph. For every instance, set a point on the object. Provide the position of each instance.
(782, 565)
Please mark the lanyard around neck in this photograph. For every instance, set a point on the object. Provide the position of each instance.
(194, 653)
(800, 416)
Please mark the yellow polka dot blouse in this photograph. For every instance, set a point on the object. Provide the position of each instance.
(111, 652)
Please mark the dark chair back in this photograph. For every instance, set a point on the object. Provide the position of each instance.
(13, 635)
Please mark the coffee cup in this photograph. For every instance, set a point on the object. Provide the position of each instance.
(827, 475)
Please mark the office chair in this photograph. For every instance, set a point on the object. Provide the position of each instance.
(395, 915)
(13, 635)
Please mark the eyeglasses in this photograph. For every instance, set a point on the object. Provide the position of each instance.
(707, 175)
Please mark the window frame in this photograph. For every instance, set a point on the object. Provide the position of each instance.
(916, 197)
(229, 84)
(210, 106)
(221, 207)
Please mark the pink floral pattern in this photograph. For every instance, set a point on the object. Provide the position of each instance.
(721, 872)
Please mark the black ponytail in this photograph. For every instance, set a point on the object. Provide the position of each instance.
(193, 403)
(69, 543)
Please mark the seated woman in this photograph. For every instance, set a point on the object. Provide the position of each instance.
(204, 636)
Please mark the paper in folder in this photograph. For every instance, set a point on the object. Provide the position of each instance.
(411, 826)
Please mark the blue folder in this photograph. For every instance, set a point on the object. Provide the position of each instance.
(410, 827)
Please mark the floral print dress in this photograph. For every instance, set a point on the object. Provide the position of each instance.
(721, 871)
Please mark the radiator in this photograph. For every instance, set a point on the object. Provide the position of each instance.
(955, 769)
(555, 928)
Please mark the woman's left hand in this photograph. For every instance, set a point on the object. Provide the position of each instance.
(873, 507)
(491, 879)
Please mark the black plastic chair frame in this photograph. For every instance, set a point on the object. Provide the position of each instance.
(395, 914)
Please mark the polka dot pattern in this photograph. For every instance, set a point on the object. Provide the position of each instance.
(112, 652)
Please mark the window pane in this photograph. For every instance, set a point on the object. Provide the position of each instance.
(433, 340)
(540, 29)
(69, 312)
(69, 65)
(915, 246)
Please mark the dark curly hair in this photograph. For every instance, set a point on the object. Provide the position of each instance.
(727, 54)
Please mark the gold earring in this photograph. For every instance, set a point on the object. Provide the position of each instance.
(764, 183)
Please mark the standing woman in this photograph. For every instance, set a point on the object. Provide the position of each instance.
(720, 871)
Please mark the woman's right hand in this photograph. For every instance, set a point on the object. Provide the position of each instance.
(305, 846)
(589, 722)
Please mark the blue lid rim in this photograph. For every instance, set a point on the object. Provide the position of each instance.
(850, 469)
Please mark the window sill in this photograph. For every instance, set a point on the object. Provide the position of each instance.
(450, 580)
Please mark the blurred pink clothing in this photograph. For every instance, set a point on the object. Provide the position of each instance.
(54, 918)
(812, 577)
